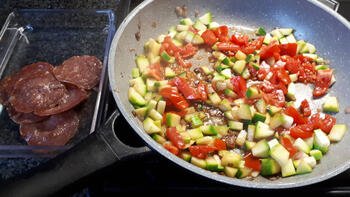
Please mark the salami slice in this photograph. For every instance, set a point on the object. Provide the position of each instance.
(57, 130)
(73, 97)
(41, 90)
(82, 71)
(20, 118)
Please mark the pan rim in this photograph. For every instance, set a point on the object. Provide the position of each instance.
(199, 171)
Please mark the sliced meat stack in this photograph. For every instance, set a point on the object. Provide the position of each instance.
(41, 98)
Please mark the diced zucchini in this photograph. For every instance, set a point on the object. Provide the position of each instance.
(251, 131)
(172, 120)
(172, 31)
(280, 154)
(225, 105)
(337, 133)
(303, 168)
(212, 164)
(231, 159)
(331, 104)
(206, 70)
(189, 36)
(311, 48)
(142, 63)
(161, 107)
(283, 41)
(261, 106)
(241, 137)
(260, 31)
(263, 130)
(272, 143)
(135, 73)
(276, 121)
(321, 67)
(312, 56)
(230, 93)
(226, 73)
(244, 112)
(311, 161)
(150, 126)
(150, 85)
(208, 130)
(218, 77)
(269, 167)
(155, 115)
(285, 31)
(169, 73)
(261, 149)
(321, 141)
(301, 145)
(230, 172)
(195, 133)
(206, 140)
(293, 77)
(252, 92)
(199, 26)
(142, 112)
(160, 38)
(235, 125)
(309, 141)
(273, 110)
(239, 66)
(301, 45)
(186, 21)
(206, 19)
(291, 39)
(222, 130)
(317, 154)
(240, 55)
(186, 156)
(288, 168)
(152, 104)
(243, 172)
(259, 117)
(246, 73)
(277, 33)
(140, 86)
(288, 121)
(182, 28)
(291, 91)
(180, 36)
(199, 162)
(248, 145)
(267, 39)
(213, 25)
(135, 98)
(197, 39)
(168, 59)
(158, 138)
(215, 99)
(154, 47)
(196, 121)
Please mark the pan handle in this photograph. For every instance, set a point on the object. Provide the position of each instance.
(333, 4)
(93, 153)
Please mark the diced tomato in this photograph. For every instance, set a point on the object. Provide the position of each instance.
(240, 39)
(227, 46)
(252, 162)
(239, 85)
(209, 37)
(219, 144)
(271, 50)
(174, 97)
(275, 98)
(292, 64)
(291, 111)
(222, 33)
(192, 30)
(202, 91)
(156, 71)
(171, 148)
(280, 73)
(325, 123)
(305, 108)
(287, 144)
(189, 92)
(254, 45)
(201, 151)
(302, 131)
(181, 61)
(175, 138)
(169, 46)
(323, 81)
(188, 51)
(288, 49)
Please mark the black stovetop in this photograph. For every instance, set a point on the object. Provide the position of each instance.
(154, 174)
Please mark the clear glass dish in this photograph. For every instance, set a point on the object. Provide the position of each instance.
(30, 36)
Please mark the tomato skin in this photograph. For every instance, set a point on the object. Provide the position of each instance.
(175, 138)
(226, 46)
(219, 144)
(171, 148)
(298, 119)
(156, 71)
(305, 108)
(240, 39)
(254, 45)
(202, 91)
(252, 162)
(323, 81)
(188, 51)
(222, 33)
(201, 151)
(169, 46)
(288, 49)
(325, 124)
(209, 37)
(302, 131)
(172, 95)
(271, 50)
(185, 88)
(286, 143)
(181, 61)
(239, 86)
(275, 98)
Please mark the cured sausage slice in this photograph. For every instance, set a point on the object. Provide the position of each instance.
(39, 91)
(57, 130)
(82, 71)
(71, 98)
(20, 118)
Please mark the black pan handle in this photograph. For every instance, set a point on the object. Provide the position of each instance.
(93, 153)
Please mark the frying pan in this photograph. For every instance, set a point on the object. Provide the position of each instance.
(312, 21)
